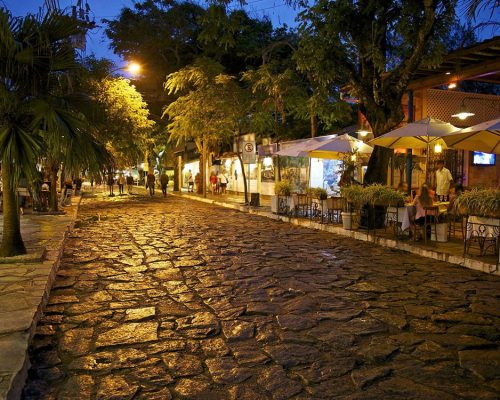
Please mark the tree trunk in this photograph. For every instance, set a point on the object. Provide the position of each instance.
(377, 166)
(203, 168)
(245, 186)
(53, 188)
(12, 241)
(314, 125)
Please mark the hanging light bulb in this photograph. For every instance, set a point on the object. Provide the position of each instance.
(438, 148)
(353, 157)
(463, 113)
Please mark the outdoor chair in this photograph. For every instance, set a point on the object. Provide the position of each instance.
(486, 235)
(430, 220)
(302, 205)
(334, 207)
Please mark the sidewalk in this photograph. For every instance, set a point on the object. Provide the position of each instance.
(25, 283)
(451, 252)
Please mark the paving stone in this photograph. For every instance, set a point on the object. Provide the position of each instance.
(77, 387)
(115, 388)
(182, 364)
(275, 381)
(364, 377)
(192, 388)
(483, 363)
(138, 314)
(135, 332)
(238, 330)
(187, 305)
(224, 370)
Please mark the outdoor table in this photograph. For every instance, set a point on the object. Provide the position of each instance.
(410, 211)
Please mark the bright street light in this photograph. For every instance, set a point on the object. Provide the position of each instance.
(134, 68)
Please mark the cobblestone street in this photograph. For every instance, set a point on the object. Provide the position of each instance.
(176, 299)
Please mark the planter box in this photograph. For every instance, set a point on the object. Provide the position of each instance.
(349, 220)
(442, 233)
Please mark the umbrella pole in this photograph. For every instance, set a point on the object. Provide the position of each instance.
(427, 164)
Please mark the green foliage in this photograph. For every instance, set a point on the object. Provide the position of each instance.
(319, 193)
(354, 194)
(283, 188)
(382, 195)
(211, 105)
(480, 202)
(123, 123)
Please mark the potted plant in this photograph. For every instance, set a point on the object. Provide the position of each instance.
(319, 193)
(479, 202)
(355, 198)
(281, 200)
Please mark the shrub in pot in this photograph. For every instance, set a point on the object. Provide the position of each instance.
(480, 202)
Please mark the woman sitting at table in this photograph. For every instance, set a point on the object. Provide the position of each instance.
(421, 201)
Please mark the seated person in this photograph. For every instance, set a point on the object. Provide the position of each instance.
(422, 200)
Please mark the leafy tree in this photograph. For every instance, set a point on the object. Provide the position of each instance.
(125, 123)
(211, 107)
(160, 34)
(35, 56)
(374, 47)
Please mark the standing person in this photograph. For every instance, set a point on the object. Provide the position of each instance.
(78, 185)
(223, 182)
(190, 181)
(443, 181)
(111, 182)
(121, 183)
(45, 196)
(150, 179)
(164, 183)
(213, 182)
(130, 183)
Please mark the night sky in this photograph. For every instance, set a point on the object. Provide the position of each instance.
(97, 41)
(98, 44)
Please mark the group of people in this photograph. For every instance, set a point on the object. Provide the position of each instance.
(218, 182)
(151, 182)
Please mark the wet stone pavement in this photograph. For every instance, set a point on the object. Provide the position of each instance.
(178, 299)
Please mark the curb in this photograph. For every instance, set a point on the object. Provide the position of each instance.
(12, 384)
(389, 243)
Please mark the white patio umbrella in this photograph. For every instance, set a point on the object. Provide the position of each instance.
(337, 147)
(417, 135)
(301, 148)
(483, 137)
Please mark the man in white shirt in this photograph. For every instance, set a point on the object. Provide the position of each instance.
(443, 181)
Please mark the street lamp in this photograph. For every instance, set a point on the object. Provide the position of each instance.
(132, 68)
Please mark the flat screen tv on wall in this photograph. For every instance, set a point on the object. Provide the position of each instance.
(480, 158)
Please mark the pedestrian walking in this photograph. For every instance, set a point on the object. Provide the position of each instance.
(111, 182)
(164, 183)
(121, 183)
(130, 183)
(150, 180)
(213, 183)
(223, 181)
(190, 181)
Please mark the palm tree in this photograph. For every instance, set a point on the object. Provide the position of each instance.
(35, 58)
